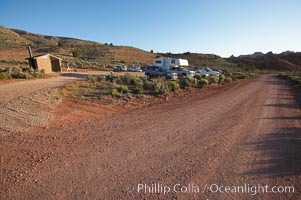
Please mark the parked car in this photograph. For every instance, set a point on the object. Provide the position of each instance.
(154, 71)
(119, 68)
(207, 71)
(181, 71)
(135, 69)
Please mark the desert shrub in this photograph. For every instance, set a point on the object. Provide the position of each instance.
(187, 81)
(221, 78)
(160, 88)
(202, 83)
(42, 73)
(148, 85)
(198, 76)
(114, 92)
(251, 75)
(228, 80)
(125, 79)
(173, 86)
(123, 89)
(135, 80)
(295, 80)
(240, 75)
(75, 53)
(35, 73)
(101, 78)
(111, 78)
(90, 77)
(2, 76)
(213, 79)
(138, 90)
(18, 73)
(9, 72)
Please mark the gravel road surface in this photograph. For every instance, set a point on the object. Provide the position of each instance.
(246, 134)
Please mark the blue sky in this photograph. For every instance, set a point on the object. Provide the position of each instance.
(222, 27)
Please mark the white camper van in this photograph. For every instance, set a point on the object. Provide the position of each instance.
(167, 63)
(174, 65)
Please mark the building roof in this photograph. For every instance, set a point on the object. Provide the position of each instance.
(47, 55)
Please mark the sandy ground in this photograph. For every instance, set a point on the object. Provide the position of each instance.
(245, 133)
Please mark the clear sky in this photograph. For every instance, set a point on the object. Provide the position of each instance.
(222, 27)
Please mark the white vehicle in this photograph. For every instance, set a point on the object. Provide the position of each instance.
(207, 71)
(182, 71)
(135, 69)
(168, 63)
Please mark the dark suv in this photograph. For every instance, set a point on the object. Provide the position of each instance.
(119, 69)
(154, 71)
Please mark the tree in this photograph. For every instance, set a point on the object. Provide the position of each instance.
(75, 53)
(60, 44)
(111, 44)
(152, 51)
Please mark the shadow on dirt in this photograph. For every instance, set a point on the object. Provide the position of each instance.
(282, 118)
(284, 147)
(279, 105)
(75, 75)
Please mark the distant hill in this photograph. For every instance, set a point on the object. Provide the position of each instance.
(286, 61)
(9, 39)
(14, 45)
(254, 55)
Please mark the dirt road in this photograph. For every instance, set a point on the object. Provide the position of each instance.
(29, 103)
(241, 135)
(26, 103)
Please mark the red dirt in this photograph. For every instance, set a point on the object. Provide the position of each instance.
(243, 133)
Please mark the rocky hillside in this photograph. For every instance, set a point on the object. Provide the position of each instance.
(89, 54)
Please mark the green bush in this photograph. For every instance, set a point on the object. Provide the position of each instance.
(198, 76)
(2, 76)
(187, 81)
(125, 79)
(159, 88)
(90, 77)
(240, 75)
(138, 90)
(221, 78)
(75, 53)
(213, 79)
(135, 80)
(295, 80)
(251, 75)
(228, 80)
(112, 78)
(202, 83)
(148, 85)
(173, 86)
(114, 92)
(123, 89)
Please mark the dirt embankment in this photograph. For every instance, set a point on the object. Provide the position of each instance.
(248, 133)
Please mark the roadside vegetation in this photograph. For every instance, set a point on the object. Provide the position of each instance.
(21, 73)
(113, 86)
(293, 77)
